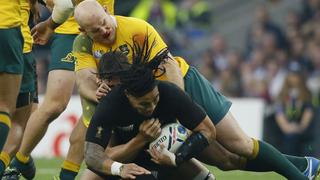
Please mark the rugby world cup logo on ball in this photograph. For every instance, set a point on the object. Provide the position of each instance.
(172, 137)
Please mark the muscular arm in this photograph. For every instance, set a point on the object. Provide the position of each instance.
(126, 152)
(96, 158)
(207, 129)
(86, 83)
(173, 73)
(60, 10)
(85, 68)
(149, 130)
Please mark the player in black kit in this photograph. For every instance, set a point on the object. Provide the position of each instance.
(139, 98)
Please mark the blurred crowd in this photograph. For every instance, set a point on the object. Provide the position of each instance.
(279, 65)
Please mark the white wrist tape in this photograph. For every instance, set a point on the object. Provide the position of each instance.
(62, 9)
(115, 168)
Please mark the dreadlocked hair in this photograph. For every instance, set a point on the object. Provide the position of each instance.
(112, 63)
(140, 78)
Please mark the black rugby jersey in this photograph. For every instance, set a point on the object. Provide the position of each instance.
(114, 112)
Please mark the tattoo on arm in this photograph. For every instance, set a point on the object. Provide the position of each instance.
(82, 44)
(95, 157)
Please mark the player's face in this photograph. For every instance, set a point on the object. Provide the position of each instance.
(146, 104)
(102, 29)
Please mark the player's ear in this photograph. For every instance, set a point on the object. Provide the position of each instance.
(81, 30)
(128, 95)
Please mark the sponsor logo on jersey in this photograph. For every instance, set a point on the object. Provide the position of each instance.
(99, 132)
(126, 128)
(69, 58)
(98, 54)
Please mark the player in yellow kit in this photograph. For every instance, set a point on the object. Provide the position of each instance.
(11, 67)
(27, 95)
(61, 79)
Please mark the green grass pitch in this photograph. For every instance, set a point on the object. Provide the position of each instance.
(47, 168)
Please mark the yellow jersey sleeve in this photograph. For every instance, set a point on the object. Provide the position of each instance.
(71, 26)
(10, 14)
(183, 65)
(82, 52)
(25, 13)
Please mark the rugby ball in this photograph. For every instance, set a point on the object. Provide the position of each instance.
(172, 137)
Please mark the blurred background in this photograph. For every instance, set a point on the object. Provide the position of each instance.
(264, 50)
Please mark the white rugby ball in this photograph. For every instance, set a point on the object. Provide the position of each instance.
(172, 137)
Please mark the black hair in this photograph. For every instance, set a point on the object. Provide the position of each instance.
(137, 78)
(140, 78)
(112, 63)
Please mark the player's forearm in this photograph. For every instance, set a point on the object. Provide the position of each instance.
(207, 128)
(173, 73)
(96, 158)
(126, 152)
(204, 134)
(52, 24)
(86, 84)
(87, 94)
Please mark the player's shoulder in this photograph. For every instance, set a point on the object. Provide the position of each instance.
(82, 38)
(82, 43)
(128, 21)
(168, 88)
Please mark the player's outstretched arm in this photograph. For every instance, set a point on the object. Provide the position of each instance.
(99, 161)
(85, 68)
(61, 11)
